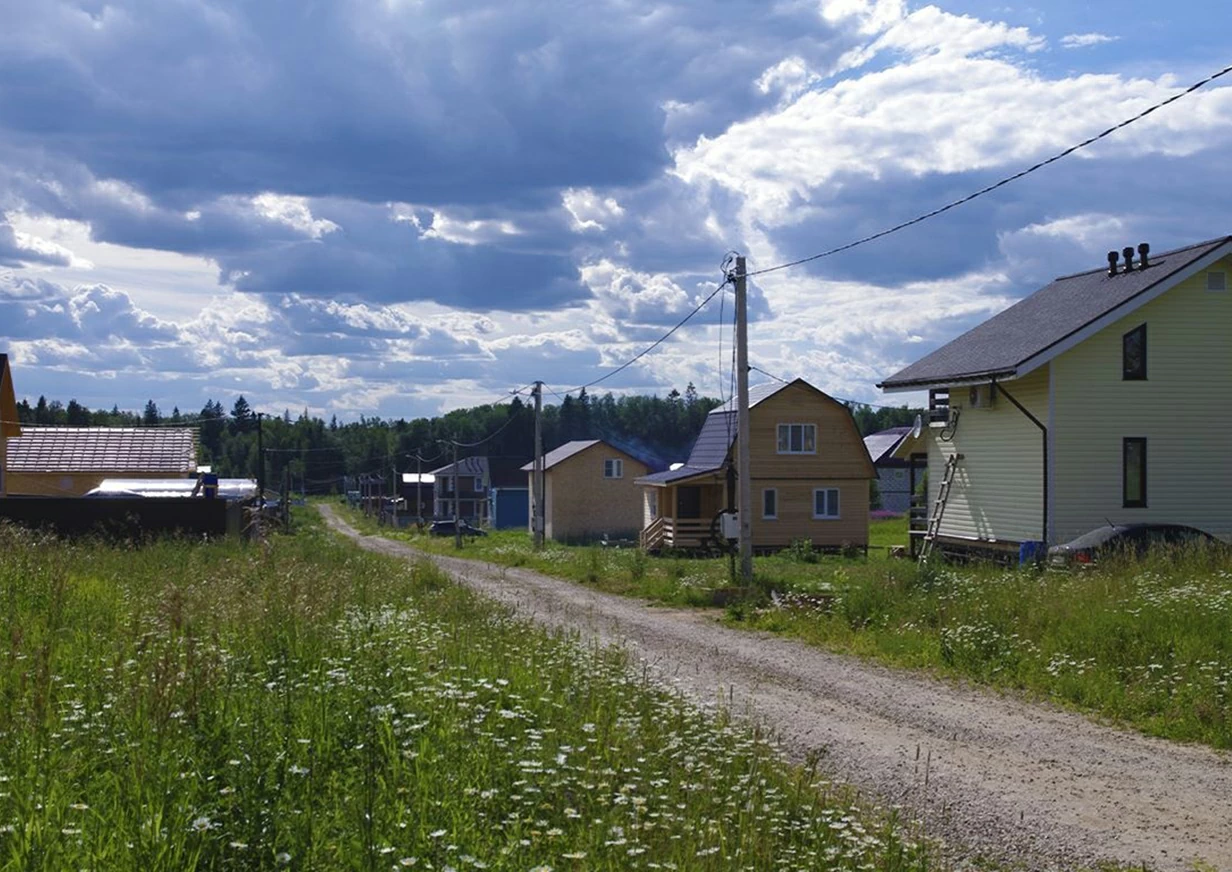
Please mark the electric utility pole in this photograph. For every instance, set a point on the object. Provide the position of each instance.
(457, 527)
(743, 463)
(418, 489)
(260, 466)
(537, 522)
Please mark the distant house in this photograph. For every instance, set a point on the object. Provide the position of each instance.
(810, 474)
(896, 476)
(463, 487)
(418, 489)
(1105, 396)
(476, 479)
(71, 461)
(590, 489)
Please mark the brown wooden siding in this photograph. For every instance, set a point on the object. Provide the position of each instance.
(580, 503)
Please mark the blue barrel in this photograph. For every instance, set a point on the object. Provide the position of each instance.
(1031, 552)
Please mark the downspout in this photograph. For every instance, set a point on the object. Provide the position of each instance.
(1044, 441)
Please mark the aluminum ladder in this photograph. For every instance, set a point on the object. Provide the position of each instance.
(943, 497)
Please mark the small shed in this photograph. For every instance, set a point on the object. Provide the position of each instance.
(418, 488)
(590, 490)
(71, 461)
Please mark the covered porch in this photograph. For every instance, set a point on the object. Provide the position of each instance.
(678, 514)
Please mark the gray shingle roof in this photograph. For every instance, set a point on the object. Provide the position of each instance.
(466, 466)
(709, 451)
(1035, 324)
(757, 394)
(164, 450)
(562, 453)
(882, 443)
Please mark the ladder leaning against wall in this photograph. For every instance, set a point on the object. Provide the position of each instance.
(938, 509)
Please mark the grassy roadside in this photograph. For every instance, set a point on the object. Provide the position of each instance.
(1145, 644)
(303, 704)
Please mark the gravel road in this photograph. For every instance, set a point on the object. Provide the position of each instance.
(991, 775)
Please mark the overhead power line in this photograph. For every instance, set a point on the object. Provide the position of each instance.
(628, 363)
(1005, 181)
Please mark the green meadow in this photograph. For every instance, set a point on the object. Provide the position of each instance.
(301, 704)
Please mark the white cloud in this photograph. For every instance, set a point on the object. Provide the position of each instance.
(588, 210)
(290, 211)
(1082, 40)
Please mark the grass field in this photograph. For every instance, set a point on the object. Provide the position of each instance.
(1145, 644)
(301, 704)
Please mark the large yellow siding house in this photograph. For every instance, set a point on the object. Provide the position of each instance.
(1104, 396)
(589, 490)
(810, 475)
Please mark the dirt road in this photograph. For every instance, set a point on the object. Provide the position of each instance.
(991, 775)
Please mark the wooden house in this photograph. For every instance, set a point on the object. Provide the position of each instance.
(1105, 396)
(9, 426)
(809, 471)
(590, 490)
(71, 461)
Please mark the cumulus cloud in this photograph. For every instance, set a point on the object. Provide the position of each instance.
(1082, 40)
(411, 205)
(21, 249)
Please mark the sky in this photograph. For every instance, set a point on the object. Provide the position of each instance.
(400, 207)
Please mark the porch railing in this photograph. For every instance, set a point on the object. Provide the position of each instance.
(675, 533)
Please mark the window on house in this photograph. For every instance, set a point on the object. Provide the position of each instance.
(1133, 472)
(614, 468)
(652, 501)
(1133, 354)
(797, 438)
(770, 503)
(1216, 281)
(825, 503)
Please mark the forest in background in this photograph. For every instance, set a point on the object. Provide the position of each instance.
(317, 453)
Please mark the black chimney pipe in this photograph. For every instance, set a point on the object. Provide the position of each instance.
(1128, 253)
(1113, 257)
(1143, 250)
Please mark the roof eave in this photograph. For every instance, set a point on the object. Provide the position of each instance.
(898, 387)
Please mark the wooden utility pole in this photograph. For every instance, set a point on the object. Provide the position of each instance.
(537, 522)
(260, 466)
(418, 490)
(743, 463)
(457, 526)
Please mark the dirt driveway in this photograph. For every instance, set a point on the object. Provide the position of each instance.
(991, 775)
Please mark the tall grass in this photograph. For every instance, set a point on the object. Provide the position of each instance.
(304, 705)
(1147, 644)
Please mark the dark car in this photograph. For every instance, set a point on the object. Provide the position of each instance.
(446, 528)
(1132, 539)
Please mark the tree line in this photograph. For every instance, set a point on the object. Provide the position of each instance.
(317, 454)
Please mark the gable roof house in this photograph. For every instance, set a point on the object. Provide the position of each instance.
(1104, 396)
(71, 461)
(809, 473)
(590, 488)
(896, 474)
(9, 425)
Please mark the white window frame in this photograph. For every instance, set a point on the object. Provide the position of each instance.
(775, 515)
(617, 467)
(652, 498)
(805, 430)
(837, 504)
